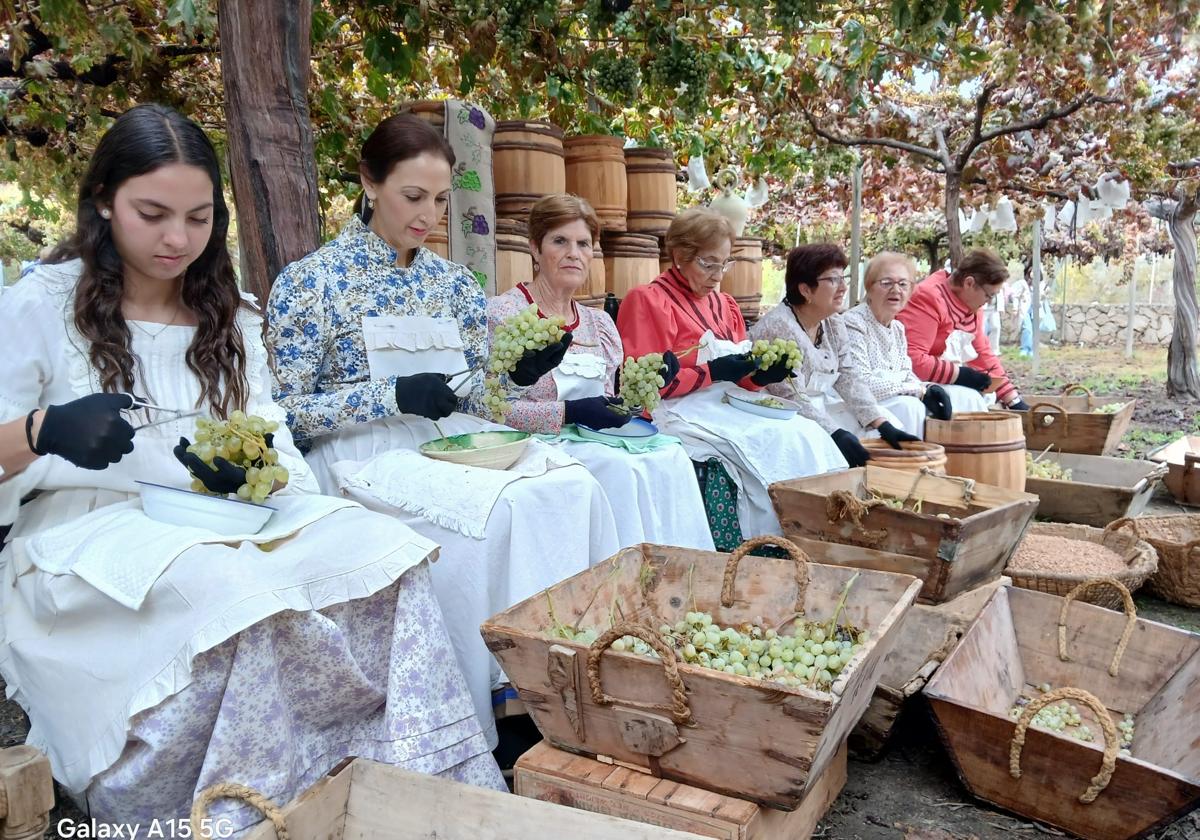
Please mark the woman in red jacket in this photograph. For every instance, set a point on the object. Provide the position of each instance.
(946, 341)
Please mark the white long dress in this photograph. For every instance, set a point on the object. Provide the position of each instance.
(156, 660)
(345, 321)
(827, 385)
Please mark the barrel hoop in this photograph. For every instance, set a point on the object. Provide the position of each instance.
(521, 146)
(650, 168)
(529, 126)
(983, 448)
(651, 214)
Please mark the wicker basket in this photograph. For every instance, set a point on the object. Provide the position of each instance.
(913, 455)
(1176, 539)
(1140, 563)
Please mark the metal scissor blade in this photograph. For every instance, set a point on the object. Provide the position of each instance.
(183, 416)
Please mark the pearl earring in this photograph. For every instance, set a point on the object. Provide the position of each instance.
(370, 202)
(105, 213)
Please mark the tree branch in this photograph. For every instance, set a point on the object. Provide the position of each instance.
(1046, 118)
(981, 103)
(887, 142)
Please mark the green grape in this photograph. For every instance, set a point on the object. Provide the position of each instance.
(767, 353)
(241, 441)
(523, 331)
(1045, 469)
(641, 381)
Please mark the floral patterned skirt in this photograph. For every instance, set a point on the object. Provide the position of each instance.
(720, 503)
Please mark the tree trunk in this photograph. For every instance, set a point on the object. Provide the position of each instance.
(932, 247)
(1183, 380)
(953, 232)
(265, 53)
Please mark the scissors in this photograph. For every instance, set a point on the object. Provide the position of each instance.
(140, 404)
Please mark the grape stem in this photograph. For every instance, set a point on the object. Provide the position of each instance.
(1043, 455)
(449, 443)
(680, 354)
(841, 604)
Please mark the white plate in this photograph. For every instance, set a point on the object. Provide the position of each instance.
(745, 400)
(637, 428)
(177, 506)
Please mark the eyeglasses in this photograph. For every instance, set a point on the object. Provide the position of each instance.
(890, 283)
(714, 267)
(838, 280)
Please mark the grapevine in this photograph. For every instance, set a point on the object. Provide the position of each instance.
(241, 440)
(522, 332)
(685, 69)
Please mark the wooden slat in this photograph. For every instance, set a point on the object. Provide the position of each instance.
(985, 670)
(317, 814)
(1167, 731)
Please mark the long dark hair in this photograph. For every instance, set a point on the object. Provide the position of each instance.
(398, 138)
(140, 141)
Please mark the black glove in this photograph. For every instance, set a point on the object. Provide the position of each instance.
(937, 402)
(892, 435)
(670, 368)
(426, 395)
(731, 368)
(594, 412)
(537, 363)
(968, 377)
(221, 477)
(1018, 405)
(775, 373)
(89, 432)
(854, 452)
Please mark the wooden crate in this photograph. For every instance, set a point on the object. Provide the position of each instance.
(1183, 479)
(1068, 423)
(365, 800)
(1102, 489)
(564, 778)
(1012, 646)
(951, 556)
(742, 737)
(26, 792)
(928, 634)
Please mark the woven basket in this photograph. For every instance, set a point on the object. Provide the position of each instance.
(1140, 563)
(912, 455)
(1176, 539)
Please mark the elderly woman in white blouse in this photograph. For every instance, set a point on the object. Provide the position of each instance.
(879, 347)
(828, 389)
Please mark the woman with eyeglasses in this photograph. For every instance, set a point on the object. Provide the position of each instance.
(946, 341)
(737, 455)
(829, 391)
(879, 348)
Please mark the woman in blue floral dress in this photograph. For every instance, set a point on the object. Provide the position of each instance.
(376, 338)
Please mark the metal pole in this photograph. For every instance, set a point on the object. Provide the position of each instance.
(1035, 281)
(1062, 280)
(1153, 275)
(1129, 316)
(855, 230)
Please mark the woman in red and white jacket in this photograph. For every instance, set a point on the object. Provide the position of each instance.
(946, 341)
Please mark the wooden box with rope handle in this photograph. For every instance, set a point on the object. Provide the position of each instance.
(1073, 422)
(952, 533)
(744, 737)
(1111, 665)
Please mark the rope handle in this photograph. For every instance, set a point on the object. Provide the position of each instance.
(1188, 548)
(794, 552)
(1047, 420)
(1075, 386)
(1118, 524)
(1130, 619)
(1111, 742)
(678, 709)
(201, 828)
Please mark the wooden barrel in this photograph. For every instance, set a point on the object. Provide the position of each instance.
(988, 446)
(438, 240)
(514, 262)
(664, 259)
(595, 166)
(913, 455)
(527, 163)
(431, 110)
(743, 281)
(650, 176)
(630, 260)
(593, 302)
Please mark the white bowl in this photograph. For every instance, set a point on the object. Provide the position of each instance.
(637, 429)
(747, 401)
(491, 450)
(177, 506)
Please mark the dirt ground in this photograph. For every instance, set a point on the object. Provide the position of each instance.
(912, 793)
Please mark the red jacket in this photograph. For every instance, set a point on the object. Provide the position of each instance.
(932, 313)
(665, 315)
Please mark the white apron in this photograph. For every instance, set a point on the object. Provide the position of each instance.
(579, 375)
(712, 347)
(540, 531)
(960, 350)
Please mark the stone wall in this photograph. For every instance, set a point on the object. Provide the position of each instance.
(1100, 324)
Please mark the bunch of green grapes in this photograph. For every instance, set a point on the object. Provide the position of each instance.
(495, 400)
(1045, 469)
(523, 331)
(617, 76)
(767, 353)
(241, 440)
(641, 380)
(684, 68)
(790, 15)
(1064, 717)
(809, 656)
(1110, 408)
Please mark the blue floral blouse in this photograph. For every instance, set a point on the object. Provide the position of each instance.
(315, 315)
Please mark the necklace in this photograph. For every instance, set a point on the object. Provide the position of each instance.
(155, 335)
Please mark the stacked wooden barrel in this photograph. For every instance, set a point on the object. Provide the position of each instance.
(592, 294)
(744, 279)
(595, 170)
(527, 163)
(630, 260)
(433, 111)
(650, 176)
(514, 261)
